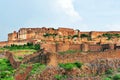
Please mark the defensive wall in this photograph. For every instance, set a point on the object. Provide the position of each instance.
(38, 33)
(37, 57)
(80, 47)
(13, 62)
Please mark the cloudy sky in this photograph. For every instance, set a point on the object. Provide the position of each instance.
(85, 15)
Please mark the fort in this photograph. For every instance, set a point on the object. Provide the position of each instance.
(63, 39)
(99, 51)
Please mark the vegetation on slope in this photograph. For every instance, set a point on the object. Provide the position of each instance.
(70, 66)
(37, 68)
(49, 34)
(27, 46)
(109, 36)
(60, 77)
(6, 70)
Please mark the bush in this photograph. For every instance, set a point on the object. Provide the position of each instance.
(37, 46)
(78, 64)
(75, 36)
(67, 66)
(25, 46)
(84, 35)
(37, 68)
(6, 70)
(109, 71)
(116, 77)
(20, 58)
(70, 66)
(60, 77)
(118, 69)
(106, 79)
(49, 34)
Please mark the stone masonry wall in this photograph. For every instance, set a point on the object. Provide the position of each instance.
(13, 62)
(95, 47)
(88, 56)
(75, 47)
(49, 47)
(62, 47)
(37, 57)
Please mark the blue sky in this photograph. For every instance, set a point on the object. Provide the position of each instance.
(85, 15)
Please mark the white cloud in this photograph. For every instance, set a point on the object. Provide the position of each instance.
(68, 8)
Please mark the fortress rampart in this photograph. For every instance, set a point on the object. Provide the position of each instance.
(39, 33)
(62, 39)
(85, 47)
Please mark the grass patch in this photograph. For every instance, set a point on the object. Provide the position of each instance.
(19, 54)
(28, 51)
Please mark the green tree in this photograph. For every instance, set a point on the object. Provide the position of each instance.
(84, 35)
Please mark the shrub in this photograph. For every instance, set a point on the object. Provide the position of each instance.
(78, 64)
(109, 76)
(109, 71)
(37, 46)
(74, 36)
(6, 70)
(25, 46)
(106, 79)
(37, 68)
(109, 36)
(70, 66)
(84, 35)
(67, 66)
(118, 69)
(116, 77)
(60, 77)
(20, 58)
(49, 34)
